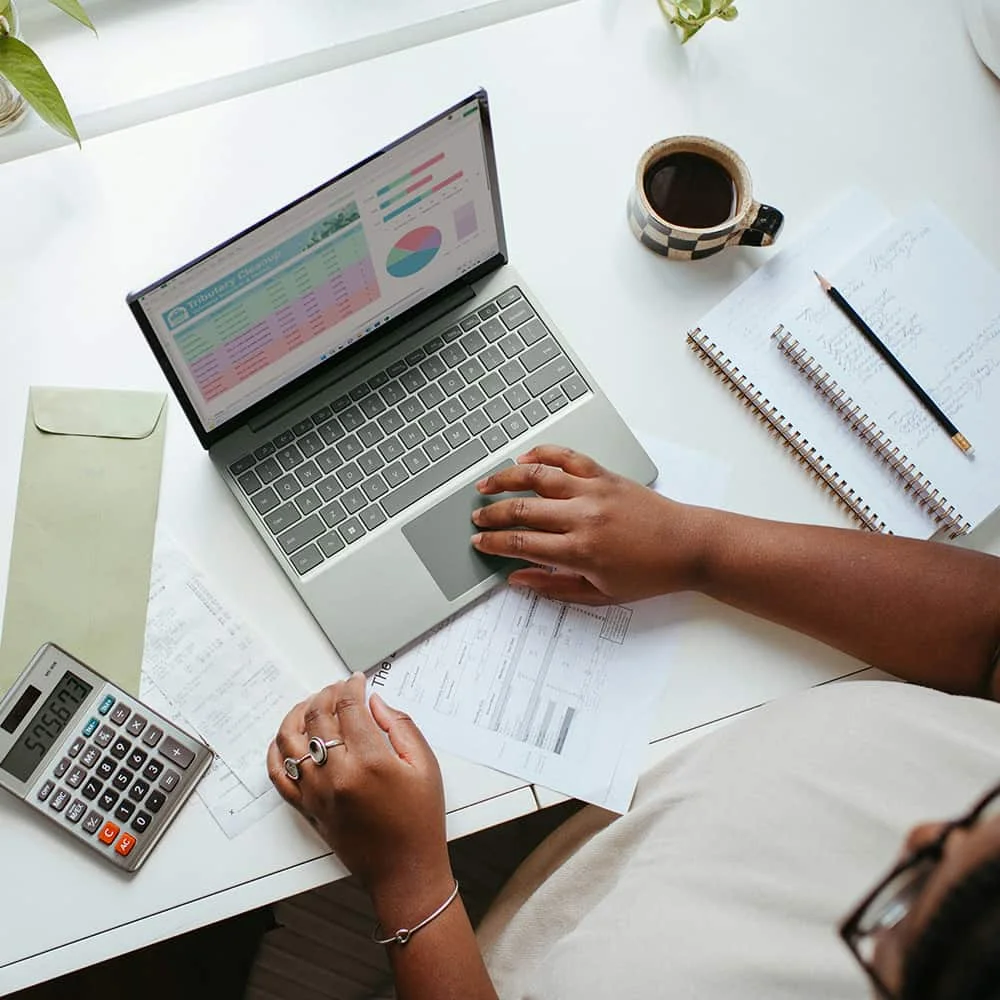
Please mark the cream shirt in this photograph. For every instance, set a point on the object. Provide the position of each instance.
(742, 852)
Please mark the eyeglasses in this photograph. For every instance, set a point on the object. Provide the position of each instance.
(892, 899)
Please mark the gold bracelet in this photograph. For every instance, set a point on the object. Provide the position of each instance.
(405, 933)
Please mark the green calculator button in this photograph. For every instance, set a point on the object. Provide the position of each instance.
(106, 705)
(91, 727)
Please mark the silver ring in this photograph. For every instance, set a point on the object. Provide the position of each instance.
(318, 748)
(291, 766)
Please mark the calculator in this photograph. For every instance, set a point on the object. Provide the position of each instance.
(95, 761)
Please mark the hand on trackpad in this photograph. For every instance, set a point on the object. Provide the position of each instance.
(441, 539)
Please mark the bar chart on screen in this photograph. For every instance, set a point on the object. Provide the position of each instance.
(466, 224)
(419, 183)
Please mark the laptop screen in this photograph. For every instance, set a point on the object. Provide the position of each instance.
(258, 313)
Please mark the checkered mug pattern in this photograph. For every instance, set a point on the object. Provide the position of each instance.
(692, 198)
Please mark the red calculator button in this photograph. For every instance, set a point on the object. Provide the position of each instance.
(108, 834)
(125, 845)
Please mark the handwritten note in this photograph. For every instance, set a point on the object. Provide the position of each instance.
(935, 301)
(231, 804)
(741, 326)
(216, 671)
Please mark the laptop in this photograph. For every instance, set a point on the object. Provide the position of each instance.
(356, 361)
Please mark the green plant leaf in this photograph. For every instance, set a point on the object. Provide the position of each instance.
(24, 71)
(75, 10)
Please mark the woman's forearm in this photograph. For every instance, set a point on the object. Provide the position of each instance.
(926, 612)
(441, 961)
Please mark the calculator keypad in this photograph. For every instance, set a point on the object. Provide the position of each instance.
(152, 736)
(117, 761)
(136, 725)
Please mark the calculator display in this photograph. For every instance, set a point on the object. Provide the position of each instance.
(46, 727)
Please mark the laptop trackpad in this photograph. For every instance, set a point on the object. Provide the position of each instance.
(441, 539)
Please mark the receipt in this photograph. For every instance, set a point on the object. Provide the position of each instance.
(216, 672)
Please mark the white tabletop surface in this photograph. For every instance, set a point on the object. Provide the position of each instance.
(890, 97)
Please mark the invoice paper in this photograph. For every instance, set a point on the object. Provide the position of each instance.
(215, 673)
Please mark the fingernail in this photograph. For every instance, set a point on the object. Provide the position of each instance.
(476, 514)
(358, 673)
(477, 538)
(481, 484)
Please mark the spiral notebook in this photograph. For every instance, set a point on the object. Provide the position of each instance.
(797, 363)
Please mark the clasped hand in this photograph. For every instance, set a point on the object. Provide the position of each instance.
(378, 799)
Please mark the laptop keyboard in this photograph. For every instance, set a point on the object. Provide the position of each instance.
(375, 448)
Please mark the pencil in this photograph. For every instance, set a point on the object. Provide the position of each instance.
(894, 363)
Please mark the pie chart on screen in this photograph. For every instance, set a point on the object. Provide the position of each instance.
(413, 252)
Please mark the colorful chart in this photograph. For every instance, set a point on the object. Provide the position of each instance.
(259, 326)
(413, 252)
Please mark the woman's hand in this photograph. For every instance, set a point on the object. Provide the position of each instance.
(378, 802)
(606, 538)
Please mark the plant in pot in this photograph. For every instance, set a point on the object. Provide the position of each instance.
(24, 80)
(690, 16)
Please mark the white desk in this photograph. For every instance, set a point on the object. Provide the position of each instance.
(843, 96)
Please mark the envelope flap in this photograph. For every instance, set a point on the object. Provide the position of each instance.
(108, 413)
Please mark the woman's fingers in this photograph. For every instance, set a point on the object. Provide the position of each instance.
(288, 789)
(523, 512)
(545, 480)
(535, 546)
(559, 585)
(358, 728)
(573, 462)
(320, 717)
(404, 735)
(291, 739)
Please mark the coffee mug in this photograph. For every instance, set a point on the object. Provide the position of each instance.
(692, 198)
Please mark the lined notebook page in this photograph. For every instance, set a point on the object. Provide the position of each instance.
(934, 300)
(742, 324)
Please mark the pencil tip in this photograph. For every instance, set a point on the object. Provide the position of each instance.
(826, 286)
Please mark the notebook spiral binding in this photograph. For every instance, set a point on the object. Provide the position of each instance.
(912, 480)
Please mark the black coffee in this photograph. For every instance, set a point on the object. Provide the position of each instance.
(690, 190)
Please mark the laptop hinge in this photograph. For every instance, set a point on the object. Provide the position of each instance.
(386, 342)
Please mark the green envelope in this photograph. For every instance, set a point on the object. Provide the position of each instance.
(83, 530)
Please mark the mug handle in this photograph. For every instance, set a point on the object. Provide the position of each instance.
(766, 225)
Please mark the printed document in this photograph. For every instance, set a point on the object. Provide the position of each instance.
(208, 671)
